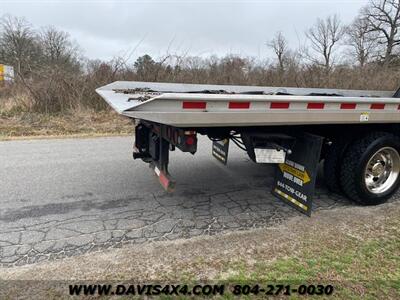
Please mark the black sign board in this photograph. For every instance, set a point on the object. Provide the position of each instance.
(220, 150)
(295, 179)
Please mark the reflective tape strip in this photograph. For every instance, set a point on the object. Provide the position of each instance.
(348, 105)
(239, 105)
(161, 176)
(279, 105)
(194, 105)
(377, 106)
(157, 170)
(163, 180)
(291, 199)
(315, 105)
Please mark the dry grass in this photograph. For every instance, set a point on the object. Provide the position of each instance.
(19, 124)
(18, 120)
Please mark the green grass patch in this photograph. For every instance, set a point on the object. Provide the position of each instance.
(368, 268)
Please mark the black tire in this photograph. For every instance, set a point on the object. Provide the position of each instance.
(332, 163)
(354, 163)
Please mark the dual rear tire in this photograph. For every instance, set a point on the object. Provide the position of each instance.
(366, 170)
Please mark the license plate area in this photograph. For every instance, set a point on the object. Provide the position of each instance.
(269, 156)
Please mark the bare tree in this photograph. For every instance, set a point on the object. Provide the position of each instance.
(18, 45)
(324, 37)
(58, 49)
(362, 41)
(279, 45)
(383, 17)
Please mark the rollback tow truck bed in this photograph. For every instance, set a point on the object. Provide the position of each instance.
(355, 132)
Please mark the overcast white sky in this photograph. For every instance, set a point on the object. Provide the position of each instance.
(104, 29)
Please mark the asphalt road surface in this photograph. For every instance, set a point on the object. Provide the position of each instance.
(70, 196)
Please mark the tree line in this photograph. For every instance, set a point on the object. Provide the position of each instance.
(52, 71)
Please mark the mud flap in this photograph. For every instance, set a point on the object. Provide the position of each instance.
(295, 179)
(220, 150)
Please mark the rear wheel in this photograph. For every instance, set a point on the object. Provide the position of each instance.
(370, 168)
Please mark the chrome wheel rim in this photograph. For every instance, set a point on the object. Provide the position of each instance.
(382, 170)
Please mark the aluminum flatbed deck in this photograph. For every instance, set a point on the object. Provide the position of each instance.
(197, 105)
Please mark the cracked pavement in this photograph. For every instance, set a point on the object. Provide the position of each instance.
(71, 196)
